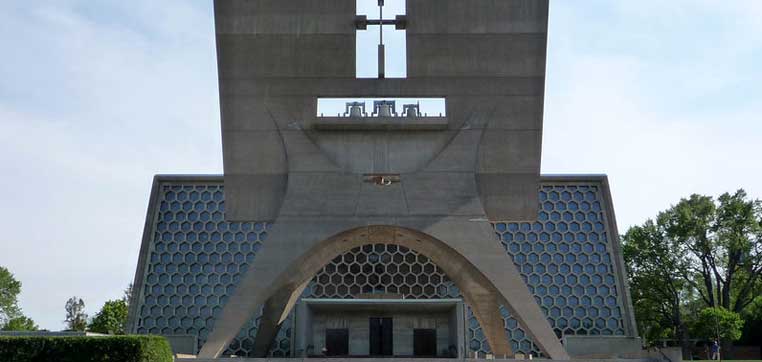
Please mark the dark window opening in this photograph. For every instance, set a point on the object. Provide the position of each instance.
(425, 342)
(381, 339)
(337, 342)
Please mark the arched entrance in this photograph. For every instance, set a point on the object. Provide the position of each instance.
(277, 288)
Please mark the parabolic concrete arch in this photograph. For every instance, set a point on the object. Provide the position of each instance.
(275, 282)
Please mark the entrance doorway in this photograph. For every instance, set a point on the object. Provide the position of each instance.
(337, 342)
(381, 336)
(425, 342)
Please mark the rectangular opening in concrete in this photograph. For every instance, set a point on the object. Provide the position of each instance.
(380, 114)
(381, 107)
(425, 342)
(337, 342)
(389, 40)
(381, 339)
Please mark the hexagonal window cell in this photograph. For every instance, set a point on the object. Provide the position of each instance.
(348, 279)
(435, 279)
(558, 279)
(410, 279)
(398, 279)
(361, 258)
(386, 279)
(361, 279)
(373, 279)
(526, 268)
(354, 289)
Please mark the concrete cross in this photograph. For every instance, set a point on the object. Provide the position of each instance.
(362, 22)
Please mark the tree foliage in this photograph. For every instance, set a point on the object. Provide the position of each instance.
(656, 284)
(20, 323)
(721, 243)
(127, 294)
(718, 323)
(79, 349)
(9, 291)
(700, 253)
(76, 318)
(111, 319)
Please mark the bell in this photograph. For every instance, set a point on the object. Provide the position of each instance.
(385, 110)
(411, 110)
(355, 111)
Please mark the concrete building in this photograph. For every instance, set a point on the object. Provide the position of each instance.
(383, 231)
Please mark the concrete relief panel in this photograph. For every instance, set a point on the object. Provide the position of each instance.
(286, 55)
(477, 16)
(498, 38)
(284, 17)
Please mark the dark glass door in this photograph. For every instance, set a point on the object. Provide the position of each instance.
(425, 342)
(381, 337)
(337, 342)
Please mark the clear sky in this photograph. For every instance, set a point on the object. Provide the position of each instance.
(98, 96)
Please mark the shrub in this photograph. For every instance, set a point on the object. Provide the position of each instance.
(85, 349)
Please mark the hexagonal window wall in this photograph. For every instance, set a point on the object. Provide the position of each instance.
(195, 260)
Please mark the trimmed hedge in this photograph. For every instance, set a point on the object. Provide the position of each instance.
(85, 349)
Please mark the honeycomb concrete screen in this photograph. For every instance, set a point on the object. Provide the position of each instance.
(194, 260)
(383, 217)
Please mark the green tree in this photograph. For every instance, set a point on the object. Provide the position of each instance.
(700, 253)
(718, 322)
(9, 291)
(721, 243)
(128, 294)
(111, 319)
(20, 323)
(655, 281)
(76, 318)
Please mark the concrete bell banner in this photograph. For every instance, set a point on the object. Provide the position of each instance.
(383, 229)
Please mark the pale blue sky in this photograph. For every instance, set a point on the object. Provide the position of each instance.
(97, 97)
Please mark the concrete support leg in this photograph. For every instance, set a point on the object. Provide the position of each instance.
(487, 312)
(478, 266)
(261, 284)
(475, 240)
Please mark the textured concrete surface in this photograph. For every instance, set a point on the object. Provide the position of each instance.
(275, 58)
(598, 346)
